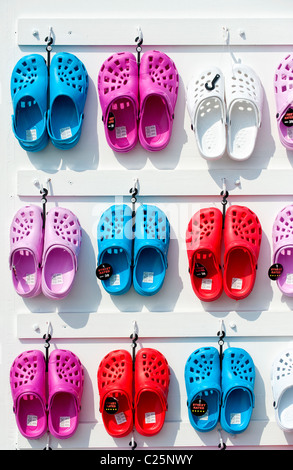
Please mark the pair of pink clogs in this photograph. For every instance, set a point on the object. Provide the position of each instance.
(44, 259)
(138, 102)
(35, 413)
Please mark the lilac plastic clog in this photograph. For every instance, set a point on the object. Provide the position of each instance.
(158, 91)
(283, 248)
(118, 94)
(62, 243)
(283, 84)
(27, 382)
(65, 386)
(26, 245)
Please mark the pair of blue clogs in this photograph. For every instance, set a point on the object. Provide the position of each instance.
(214, 395)
(48, 104)
(135, 252)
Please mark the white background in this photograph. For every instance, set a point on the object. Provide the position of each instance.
(90, 177)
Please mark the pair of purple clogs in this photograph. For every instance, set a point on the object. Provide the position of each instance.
(44, 259)
(47, 401)
(138, 101)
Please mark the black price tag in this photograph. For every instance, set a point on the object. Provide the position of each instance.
(111, 405)
(288, 118)
(275, 271)
(199, 407)
(111, 122)
(104, 271)
(199, 270)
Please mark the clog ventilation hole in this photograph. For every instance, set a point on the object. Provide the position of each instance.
(22, 226)
(72, 73)
(67, 369)
(244, 226)
(113, 369)
(154, 369)
(243, 83)
(66, 228)
(285, 367)
(112, 227)
(115, 74)
(241, 367)
(202, 226)
(284, 227)
(285, 74)
(201, 367)
(155, 225)
(162, 74)
(24, 370)
(26, 74)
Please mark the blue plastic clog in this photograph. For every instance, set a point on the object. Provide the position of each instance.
(29, 86)
(238, 376)
(203, 387)
(115, 238)
(68, 93)
(151, 243)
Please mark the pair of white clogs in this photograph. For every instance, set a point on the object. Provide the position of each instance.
(225, 113)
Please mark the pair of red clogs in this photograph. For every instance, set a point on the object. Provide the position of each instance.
(133, 397)
(242, 236)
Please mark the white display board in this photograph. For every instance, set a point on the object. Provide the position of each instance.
(90, 177)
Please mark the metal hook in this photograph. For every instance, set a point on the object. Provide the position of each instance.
(48, 443)
(221, 335)
(49, 40)
(132, 443)
(226, 34)
(134, 190)
(225, 195)
(44, 192)
(139, 38)
(222, 445)
(47, 337)
(139, 41)
(134, 338)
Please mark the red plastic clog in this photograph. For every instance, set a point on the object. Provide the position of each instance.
(151, 378)
(203, 243)
(115, 388)
(242, 239)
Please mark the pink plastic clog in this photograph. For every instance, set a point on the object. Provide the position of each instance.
(118, 94)
(65, 386)
(158, 90)
(27, 382)
(283, 83)
(61, 249)
(26, 245)
(283, 248)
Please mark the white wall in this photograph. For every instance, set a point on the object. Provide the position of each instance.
(87, 178)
